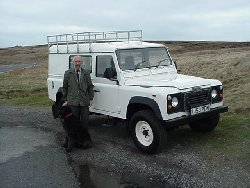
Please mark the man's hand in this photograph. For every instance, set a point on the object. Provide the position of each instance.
(65, 103)
(91, 103)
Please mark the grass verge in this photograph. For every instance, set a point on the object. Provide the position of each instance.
(34, 100)
(229, 142)
(232, 135)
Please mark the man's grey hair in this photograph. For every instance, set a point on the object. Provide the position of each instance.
(77, 56)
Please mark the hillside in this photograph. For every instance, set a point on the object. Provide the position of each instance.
(227, 61)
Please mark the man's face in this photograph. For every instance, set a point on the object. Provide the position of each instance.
(78, 62)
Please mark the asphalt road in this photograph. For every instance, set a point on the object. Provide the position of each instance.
(31, 156)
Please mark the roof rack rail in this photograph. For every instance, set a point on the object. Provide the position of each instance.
(93, 37)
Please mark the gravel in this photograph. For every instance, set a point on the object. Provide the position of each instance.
(114, 161)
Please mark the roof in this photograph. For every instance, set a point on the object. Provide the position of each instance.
(87, 42)
(100, 47)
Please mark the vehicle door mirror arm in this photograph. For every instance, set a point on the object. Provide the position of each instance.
(110, 73)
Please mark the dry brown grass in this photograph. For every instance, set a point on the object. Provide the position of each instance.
(19, 54)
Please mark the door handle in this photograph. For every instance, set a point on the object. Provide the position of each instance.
(96, 90)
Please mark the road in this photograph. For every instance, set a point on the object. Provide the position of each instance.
(31, 156)
(12, 67)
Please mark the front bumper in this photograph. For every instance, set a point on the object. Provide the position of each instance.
(188, 119)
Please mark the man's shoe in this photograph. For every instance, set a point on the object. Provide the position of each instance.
(68, 149)
(65, 145)
(87, 144)
(70, 145)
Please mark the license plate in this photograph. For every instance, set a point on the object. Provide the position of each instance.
(200, 109)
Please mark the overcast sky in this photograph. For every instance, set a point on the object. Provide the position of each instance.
(28, 22)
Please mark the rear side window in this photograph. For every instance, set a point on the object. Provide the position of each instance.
(87, 62)
(103, 62)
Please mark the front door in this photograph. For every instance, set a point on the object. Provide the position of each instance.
(106, 90)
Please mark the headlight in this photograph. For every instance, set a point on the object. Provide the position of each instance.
(175, 101)
(214, 93)
(217, 94)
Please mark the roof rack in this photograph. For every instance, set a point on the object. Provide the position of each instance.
(93, 37)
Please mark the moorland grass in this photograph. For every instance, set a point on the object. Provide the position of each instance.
(25, 87)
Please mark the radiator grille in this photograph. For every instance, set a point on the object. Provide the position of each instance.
(197, 98)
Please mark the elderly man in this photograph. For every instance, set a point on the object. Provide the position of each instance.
(78, 90)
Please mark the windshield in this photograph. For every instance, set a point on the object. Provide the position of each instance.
(133, 59)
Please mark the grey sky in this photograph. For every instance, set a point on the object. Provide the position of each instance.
(28, 22)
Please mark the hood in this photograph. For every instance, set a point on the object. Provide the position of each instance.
(168, 80)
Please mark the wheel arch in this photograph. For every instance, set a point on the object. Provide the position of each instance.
(138, 103)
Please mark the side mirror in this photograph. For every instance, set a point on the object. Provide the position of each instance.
(110, 73)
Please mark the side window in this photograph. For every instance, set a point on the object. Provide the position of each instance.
(87, 65)
(103, 62)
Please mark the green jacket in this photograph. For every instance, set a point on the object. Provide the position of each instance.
(74, 94)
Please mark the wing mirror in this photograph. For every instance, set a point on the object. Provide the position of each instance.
(110, 73)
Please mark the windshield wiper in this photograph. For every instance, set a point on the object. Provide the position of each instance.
(159, 62)
(137, 65)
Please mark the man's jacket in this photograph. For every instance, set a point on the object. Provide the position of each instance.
(77, 94)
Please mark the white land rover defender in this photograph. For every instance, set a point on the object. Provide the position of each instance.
(137, 82)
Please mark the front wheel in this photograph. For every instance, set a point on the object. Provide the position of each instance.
(207, 124)
(147, 132)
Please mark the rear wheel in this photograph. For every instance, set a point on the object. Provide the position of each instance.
(207, 124)
(147, 132)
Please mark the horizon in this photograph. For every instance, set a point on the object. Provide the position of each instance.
(191, 41)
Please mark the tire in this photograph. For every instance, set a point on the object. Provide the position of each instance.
(147, 132)
(207, 124)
